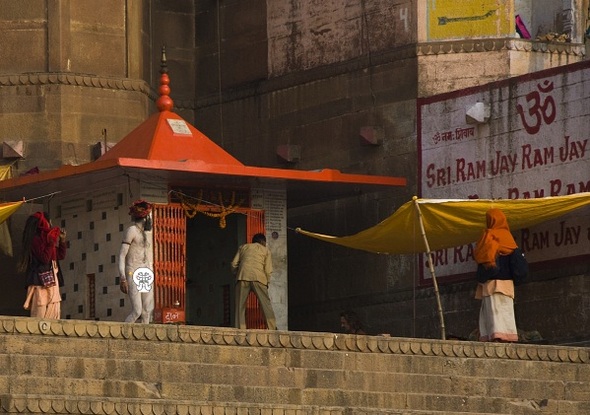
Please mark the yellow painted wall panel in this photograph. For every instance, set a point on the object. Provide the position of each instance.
(451, 19)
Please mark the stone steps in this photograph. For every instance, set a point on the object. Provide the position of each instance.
(249, 392)
(179, 378)
(114, 368)
(176, 384)
(209, 371)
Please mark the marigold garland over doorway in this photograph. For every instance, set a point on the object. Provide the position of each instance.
(212, 210)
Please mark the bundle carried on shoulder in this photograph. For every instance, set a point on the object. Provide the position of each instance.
(519, 266)
(508, 267)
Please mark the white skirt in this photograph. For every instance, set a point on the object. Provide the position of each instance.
(496, 319)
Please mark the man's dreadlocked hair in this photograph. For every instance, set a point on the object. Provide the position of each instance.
(31, 227)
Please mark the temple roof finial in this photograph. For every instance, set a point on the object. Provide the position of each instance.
(164, 102)
(164, 62)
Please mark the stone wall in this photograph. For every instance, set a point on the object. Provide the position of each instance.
(255, 75)
(75, 367)
(70, 75)
(78, 73)
(318, 97)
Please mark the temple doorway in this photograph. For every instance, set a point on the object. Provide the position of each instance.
(192, 261)
(210, 282)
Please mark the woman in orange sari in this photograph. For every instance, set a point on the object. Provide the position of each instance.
(496, 316)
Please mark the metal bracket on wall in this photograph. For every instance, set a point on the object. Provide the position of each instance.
(371, 136)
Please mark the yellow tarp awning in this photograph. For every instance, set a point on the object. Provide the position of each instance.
(451, 222)
(6, 172)
(7, 209)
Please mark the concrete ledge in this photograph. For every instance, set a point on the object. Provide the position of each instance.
(72, 79)
(494, 44)
(33, 404)
(292, 340)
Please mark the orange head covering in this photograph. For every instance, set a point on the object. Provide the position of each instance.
(496, 239)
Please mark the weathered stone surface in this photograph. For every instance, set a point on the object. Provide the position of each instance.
(73, 370)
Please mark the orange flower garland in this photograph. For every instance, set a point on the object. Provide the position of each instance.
(191, 209)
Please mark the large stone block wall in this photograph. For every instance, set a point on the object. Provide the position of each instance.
(71, 80)
(78, 367)
(63, 36)
(555, 308)
(318, 34)
(70, 70)
(452, 66)
(70, 111)
(172, 24)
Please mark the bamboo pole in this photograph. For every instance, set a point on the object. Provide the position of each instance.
(431, 268)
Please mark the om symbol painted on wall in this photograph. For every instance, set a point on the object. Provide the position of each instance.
(538, 112)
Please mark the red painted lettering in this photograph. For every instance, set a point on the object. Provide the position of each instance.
(572, 151)
(440, 257)
(568, 235)
(438, 177)
(533, 240)
(469, 171)
(463, 253)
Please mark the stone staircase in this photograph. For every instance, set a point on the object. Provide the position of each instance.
(88, 367)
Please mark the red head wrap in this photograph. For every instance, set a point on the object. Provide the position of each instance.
(52, 234)
(140, 209)
(42, 223)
